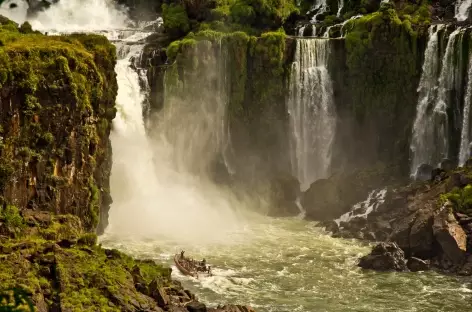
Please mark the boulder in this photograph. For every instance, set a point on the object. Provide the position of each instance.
(417, 264)
(401, 231)
(449, 234)
(195, 306)
(385, 257)
(285, 190)
(322, 201)
(447, 165)
(232, 308)
(466, 269)
(158, 293)
(421, 234)
(423, 173)
(329, 226)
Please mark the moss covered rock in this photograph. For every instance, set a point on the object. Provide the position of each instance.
(57, 101)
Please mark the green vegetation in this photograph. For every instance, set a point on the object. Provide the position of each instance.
(460, 198)
(13, 223)
(15, 300)
(61, 91)
(175, 18)
(383, 71)
(56, 260)
(251, 16)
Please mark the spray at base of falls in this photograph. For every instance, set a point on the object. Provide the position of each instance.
(165, 174)
(312, 112)
(152, 195)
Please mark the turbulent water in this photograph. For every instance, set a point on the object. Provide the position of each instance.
(288, 265)
(312, 113)
(273, 264)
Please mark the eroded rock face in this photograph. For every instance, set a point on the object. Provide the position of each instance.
(55, 124)
(449, 234)
(385, 257)
(430, 221)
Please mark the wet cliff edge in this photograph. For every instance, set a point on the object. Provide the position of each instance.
(57, 100)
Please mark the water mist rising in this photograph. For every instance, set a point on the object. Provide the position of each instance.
(312, 111)
(154, 193)
(159, 183)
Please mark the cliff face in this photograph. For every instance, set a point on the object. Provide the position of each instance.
(57, 102)
(375, 68)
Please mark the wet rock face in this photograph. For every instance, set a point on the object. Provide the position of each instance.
(385, 257)
(55, 148)
(449, 234)
(417, 264)
(430, 221)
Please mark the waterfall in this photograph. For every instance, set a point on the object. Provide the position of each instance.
(152, 194)
(194, 117)
(464, 152)
(320, 7)
(312, 112)
(301, 31)
(462, 9)
(340, 7)
(430, 142)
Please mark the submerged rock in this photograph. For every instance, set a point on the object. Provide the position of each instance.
(416, 264)
(385, 257)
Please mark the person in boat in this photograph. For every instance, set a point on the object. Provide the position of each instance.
(182, 254)
(209, 271)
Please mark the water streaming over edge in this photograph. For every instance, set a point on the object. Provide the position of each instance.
(312, 113)
(274, 264)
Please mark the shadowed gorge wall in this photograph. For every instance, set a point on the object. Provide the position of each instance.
(57, 101)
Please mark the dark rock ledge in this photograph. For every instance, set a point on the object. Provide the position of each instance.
(423, 225)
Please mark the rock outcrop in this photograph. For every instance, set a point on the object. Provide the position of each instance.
(57, 101)
(385, 257)
(60, 267)
(430, 221)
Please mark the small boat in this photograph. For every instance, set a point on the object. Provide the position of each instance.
(187, 268)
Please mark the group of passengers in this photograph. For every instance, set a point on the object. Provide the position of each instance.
(194, 265)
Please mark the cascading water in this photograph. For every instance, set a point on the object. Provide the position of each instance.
(430, 139)
(272, 264)
(464, 152)
(320, 7)
(312, 113)
(462, 9)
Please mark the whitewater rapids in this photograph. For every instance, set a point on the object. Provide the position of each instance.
(271, 264)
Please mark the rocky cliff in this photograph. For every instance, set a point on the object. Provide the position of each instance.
(57, 98)
(57, 102)
(375, 64)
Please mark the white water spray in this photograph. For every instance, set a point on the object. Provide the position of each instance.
(462, 9)
(464, 152)
(430, 141)
(152, 198)
(312, 112)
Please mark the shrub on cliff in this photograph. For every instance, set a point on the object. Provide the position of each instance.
(176, 20)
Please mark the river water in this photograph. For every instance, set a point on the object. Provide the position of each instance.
(291, 265)
(271, 264)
